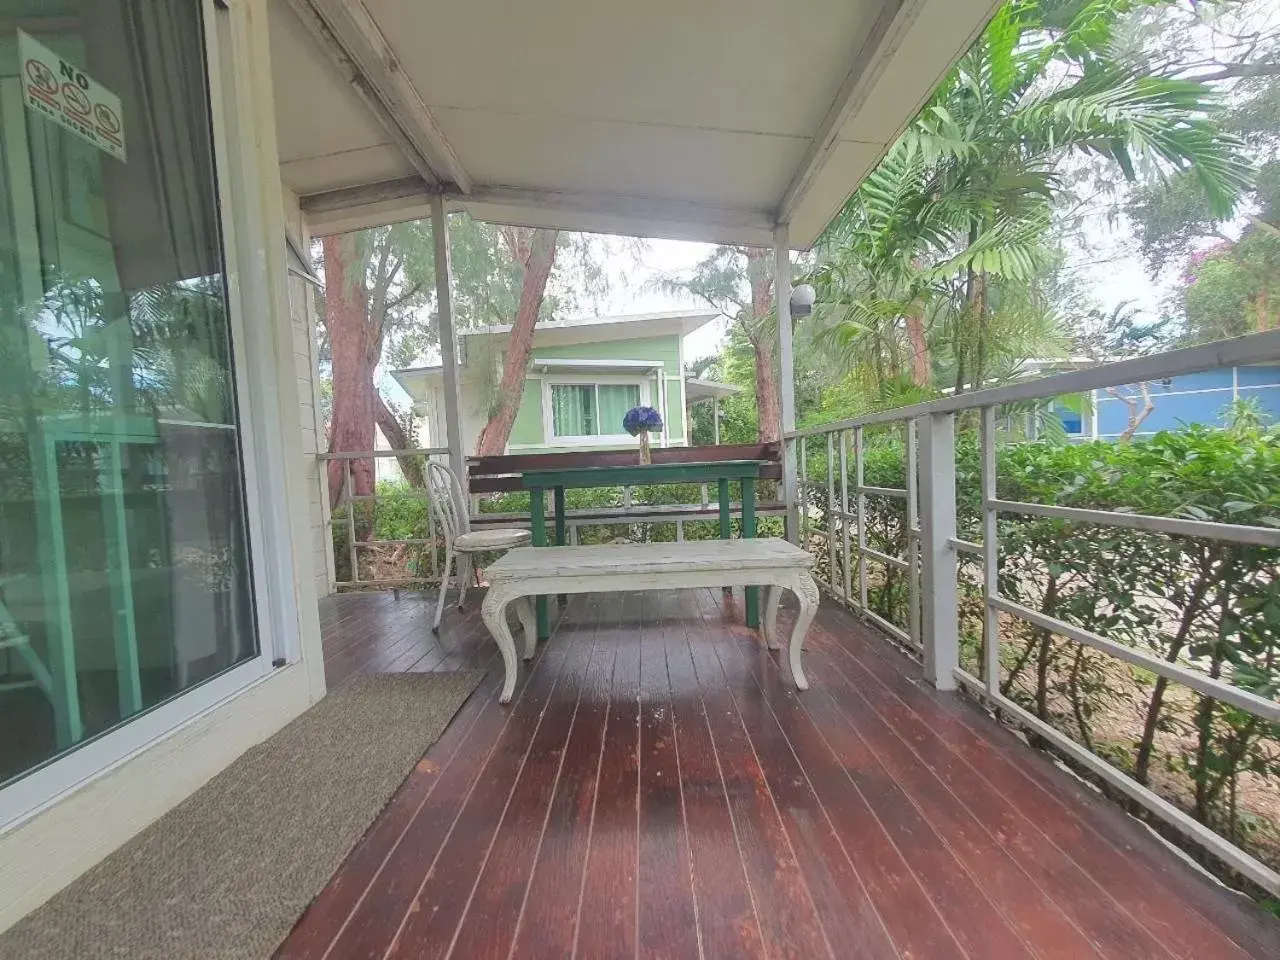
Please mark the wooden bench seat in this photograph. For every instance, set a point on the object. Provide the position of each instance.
(534, 571)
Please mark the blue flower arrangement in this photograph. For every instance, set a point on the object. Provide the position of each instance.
(639, 421)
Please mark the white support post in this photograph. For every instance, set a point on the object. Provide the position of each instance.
(786, 361)
(715, 420)
(940, 615)
(448, 346)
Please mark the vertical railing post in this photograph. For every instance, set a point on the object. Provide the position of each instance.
(990, 556)
(861, 500)
(802, 494)
(940, 615)
(844, 514)
(352, 555)
(913, 534)
(831, 511)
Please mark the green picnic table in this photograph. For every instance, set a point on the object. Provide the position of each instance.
(719, 472)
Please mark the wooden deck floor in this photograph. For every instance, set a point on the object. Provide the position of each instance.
(658, 788)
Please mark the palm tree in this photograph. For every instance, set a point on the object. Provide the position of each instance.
(964, 202)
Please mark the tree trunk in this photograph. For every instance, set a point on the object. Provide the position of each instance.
(391, 428)
(768, 401)
(921, 362)
(535, 249)
(1137, 414)
(1142, 760)
(346, 301)
(768, 405)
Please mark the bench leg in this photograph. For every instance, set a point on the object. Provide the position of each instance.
(528, 620)
(494, 613)
(772, 599)
(806, 592)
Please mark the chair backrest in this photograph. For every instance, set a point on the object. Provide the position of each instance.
(446, 500)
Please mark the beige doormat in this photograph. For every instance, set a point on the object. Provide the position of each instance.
(228, 872)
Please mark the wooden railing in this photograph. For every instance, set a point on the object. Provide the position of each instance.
(489, 476)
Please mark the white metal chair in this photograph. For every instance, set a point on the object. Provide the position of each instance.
(460, 541)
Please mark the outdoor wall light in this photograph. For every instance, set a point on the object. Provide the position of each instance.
(802, 298)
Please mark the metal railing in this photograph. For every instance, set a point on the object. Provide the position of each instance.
(427, 545)
(933, 550)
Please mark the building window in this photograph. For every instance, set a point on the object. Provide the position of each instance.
(124, 561)
(591, 409)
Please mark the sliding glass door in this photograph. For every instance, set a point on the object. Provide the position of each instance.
(124, 564)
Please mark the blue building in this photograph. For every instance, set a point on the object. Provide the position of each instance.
(1192, 398)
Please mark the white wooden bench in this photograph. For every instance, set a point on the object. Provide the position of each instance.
(534, 571)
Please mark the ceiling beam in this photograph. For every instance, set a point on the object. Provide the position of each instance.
(622, 208)
(393, 201)
(869, 60)
(349, 198)
(354, 42)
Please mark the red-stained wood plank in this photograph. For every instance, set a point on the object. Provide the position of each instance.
(549, 923)
(784, 908)
(726, 912)
(381, 635)
(1168, 902)
(973, 919)
(325, 918)
(844, 907)
(667, 921)
(1029, 885)
(648, 808)
(439, 904)
(899, 894)
(493, 910)
(375, 920)
(607, 908)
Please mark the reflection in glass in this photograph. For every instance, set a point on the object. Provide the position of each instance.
(124, 575)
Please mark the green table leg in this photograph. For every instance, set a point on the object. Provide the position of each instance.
(560, 528)
(724, 509)
(749, 532)
(726, 527)
(538, 521)
(559, 496)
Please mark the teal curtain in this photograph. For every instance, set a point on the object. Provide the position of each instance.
(573, 412)
(615, 401)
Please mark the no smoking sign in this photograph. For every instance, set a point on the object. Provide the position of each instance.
(61, 91)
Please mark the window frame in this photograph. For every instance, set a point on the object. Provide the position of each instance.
(251, 284)
(553, 439)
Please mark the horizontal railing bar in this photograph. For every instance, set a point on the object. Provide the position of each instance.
(668, 512)
(1250, 702)
(891, 560)
(882, 491)
(369, 454)
(380, 543)
(1247, 350)
(384, 583)
(1235, 533)
(1222, 848)
(966, 546)
(406, 495)
(888, 626)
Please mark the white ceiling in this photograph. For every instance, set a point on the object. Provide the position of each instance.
(699, 120)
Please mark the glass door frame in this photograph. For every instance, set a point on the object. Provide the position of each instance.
(255, 287)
